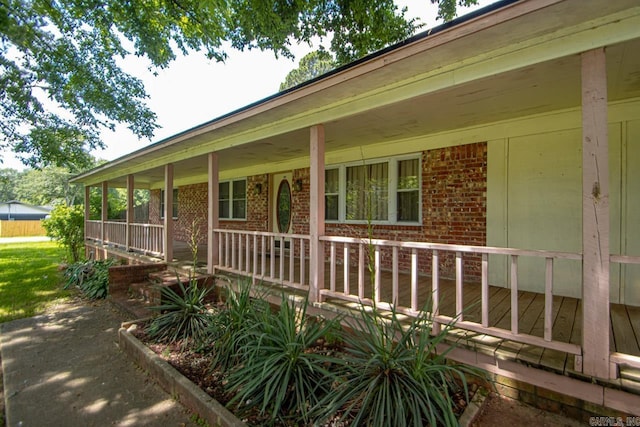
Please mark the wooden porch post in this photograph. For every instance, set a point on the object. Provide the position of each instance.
(129, 210)
(87, 215)
(87, 207)
(168, 213)
(213, 214)
(316, 213)
(105, 209)
(595, 215)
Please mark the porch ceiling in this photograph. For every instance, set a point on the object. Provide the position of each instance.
(433, 103)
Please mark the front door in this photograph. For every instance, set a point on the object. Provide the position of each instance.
(281, 211)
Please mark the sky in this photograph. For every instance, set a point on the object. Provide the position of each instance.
(194, 90)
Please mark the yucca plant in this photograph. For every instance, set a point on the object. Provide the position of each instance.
(390, 374)
(283, 373)
(184, 316)
(227, 332)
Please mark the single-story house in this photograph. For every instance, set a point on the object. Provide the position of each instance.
(14, 210)
(489, 165)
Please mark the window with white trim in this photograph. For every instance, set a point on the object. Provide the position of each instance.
(232, 199)
(174, 206)
(383, 191)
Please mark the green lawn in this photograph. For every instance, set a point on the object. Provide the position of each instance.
(29, 278)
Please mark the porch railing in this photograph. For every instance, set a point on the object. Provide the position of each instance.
(271, 257)
(93, 230)
(433, 253)
(617, 357)
(115, 233)
(147, 238)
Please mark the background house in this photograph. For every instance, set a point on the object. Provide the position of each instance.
(21, 219)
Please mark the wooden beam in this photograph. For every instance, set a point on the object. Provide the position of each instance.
(316, 213)
(104, 209)
(213, 212)
(130, 212)
(168, 213)
(595, 215)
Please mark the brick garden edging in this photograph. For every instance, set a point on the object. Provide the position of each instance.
(174, 383)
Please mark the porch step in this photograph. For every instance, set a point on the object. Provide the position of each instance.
(168, 278)
(148, 292)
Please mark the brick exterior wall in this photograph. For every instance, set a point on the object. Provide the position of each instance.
(454, 206)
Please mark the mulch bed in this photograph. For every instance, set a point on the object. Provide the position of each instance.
(197, 368)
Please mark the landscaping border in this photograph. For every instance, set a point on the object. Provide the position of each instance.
(173, 382)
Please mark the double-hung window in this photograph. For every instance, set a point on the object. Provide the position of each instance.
(232, 199)
(174, 206)
(382, 191)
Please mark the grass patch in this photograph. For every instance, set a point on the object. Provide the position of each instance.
(29, 279)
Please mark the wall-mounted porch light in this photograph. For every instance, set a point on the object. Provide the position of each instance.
(258, 188)
(297, 185)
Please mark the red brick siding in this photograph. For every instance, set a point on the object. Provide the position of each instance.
(121, 276)
(454, 187)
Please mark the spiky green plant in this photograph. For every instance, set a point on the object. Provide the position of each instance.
(391, 374)
(227, 332)
(282, 375)
(184, 316)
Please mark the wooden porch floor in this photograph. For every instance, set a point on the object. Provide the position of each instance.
(567, 315)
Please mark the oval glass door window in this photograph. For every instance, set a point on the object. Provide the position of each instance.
(284, 206)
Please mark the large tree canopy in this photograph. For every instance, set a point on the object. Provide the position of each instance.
(312, 65)
(60, 82)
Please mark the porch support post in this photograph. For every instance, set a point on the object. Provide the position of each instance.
(87, 215)
(595, 215)
(105, 209)
(87, 207)
(213, 214)
(167, 240)
(129, 210)
(316, 213)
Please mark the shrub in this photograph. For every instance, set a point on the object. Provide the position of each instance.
(282, 372)
(183, 315)
(91, 277)
(391, 375)
(66, 225)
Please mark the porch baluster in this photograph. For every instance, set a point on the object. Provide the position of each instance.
(459, 295)
(361, 270)
(376, 282)
(435, 292)
(347, 255)
(332, 267)
(292, 251)
(255, 257)
(414, 279)
(394, 276)
(303, 274)
(263, 261)
(514, 294)
(247, 254)
(485, 290)
(548, 299)
(281, 272)
(272, 257)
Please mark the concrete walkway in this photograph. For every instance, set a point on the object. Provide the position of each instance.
(65, 369)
